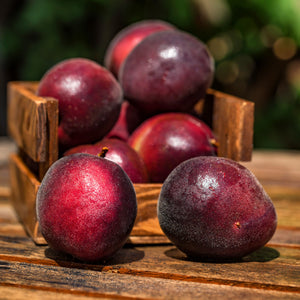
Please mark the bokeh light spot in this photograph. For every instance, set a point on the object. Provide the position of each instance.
(284, 48)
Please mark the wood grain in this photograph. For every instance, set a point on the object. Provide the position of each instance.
(52, 137)
(146, 223)
(89, 282)
(255, 271)
(24, 187)
(233, 120)
(33, 123)
(279, 168)
(27, 116)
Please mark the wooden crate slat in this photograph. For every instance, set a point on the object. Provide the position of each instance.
(27, 116)
(232, 123)
(33, 123)
(24, 187)
(146, 222)
(52, 136)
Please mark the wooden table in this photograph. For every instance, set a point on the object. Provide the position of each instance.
(159, 271)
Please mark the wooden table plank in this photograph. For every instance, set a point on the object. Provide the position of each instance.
(276, 167)
(97, 283)
(287, 205)
(254, 270)
(140, 260)
(10, 292)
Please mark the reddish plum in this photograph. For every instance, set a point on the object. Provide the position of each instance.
(89, 99)
(214, 208)
(165, 140)
(86, 207)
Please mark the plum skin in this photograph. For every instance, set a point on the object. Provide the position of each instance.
(86, 207)
(89, 100)
(214, 208)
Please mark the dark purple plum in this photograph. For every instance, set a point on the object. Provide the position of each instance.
(214, 208)
(165, 140)
(89, 99)
(86, 207)
(167, 71)
(125, 40)
(119, 152)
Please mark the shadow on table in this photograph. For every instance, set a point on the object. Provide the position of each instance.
(123, 256)
(264, 254)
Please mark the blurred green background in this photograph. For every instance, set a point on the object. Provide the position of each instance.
(255, 45)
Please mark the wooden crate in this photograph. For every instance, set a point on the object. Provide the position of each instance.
(33, 123)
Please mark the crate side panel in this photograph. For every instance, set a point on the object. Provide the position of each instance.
(27, 121)
(24, 187)
(52, 137)
(146, 222)
(233, 120)
(246, 141)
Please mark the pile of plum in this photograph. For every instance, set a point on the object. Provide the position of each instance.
(133, 121)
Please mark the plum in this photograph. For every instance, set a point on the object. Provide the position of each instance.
(167, 71)
(119, 152)
(86, 207)
(89, 100)
(165, 140)
(128, 120)
(125, 40)
(214, 208)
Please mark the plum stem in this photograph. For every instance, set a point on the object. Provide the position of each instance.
(214, 142)
(103, 152)
(237, 224)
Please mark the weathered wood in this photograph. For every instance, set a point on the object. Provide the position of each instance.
(284, 199)
(20, 247)
(146, 222)
(276, 167)
(9, 292)
(33, 123)
(255, 271)
(233, 120)
(24, 187)
(27, 121)
(52, 137)
(104, 284)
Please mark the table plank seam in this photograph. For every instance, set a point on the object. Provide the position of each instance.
(154, 274)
